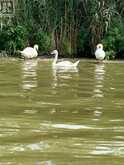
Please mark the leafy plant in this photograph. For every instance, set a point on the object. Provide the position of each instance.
(114, 39)
(44, 41)
(71, 26)
(13, 38)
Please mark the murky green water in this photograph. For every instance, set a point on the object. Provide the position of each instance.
(61, 117)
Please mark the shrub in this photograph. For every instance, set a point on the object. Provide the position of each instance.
(114, 39)
(43, 40)
(13, 38)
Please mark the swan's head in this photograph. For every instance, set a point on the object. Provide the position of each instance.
(36, 47)
(99, 46)
(54, 52)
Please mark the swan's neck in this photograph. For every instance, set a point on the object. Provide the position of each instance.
(36, 47)
(55, 59)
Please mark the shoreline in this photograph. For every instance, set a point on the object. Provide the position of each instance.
(48, 58)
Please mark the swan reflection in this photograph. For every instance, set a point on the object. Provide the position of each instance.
(99, 80)
(65, 69)
(29, 74)
(108, 148)
(63, 73)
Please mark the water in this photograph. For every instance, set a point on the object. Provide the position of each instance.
(61, 117)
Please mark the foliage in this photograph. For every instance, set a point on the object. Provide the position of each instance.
(114, 39)
(44, 41)
(110, 55)
(12, 38)
(83, 41)
(71, 26)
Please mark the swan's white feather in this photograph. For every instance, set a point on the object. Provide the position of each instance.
(63, 64)
(99, 53)
(29, 52)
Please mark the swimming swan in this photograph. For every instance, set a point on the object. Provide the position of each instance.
(99, 53)
(30, 52)
(63, 63)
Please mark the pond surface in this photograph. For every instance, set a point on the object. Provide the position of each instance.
(61, 117)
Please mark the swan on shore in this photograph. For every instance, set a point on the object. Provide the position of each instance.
(99, 53)
(30, 52)
(63, 64)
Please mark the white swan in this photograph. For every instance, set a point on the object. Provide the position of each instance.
(63, 64)
(99, 53)
(30, 52)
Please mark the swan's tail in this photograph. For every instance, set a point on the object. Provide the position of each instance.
(76, 63)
